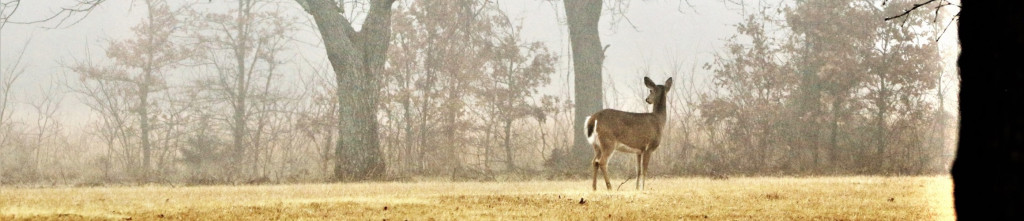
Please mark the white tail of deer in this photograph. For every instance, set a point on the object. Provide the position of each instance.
(611, 130)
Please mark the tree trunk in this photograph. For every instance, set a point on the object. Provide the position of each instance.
(238, 118)
(357, 59)
(407, 117)
(422, 150)
(587, 59)
(325, 158)
(144, 126)
(147, 75)
(833, 140)
(881, 128)
(988, 174)
(489, 135)
(508, 146)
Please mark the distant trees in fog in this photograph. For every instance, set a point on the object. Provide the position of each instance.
(446, 111)
(828, 95)
(126, 92)
(451, 89)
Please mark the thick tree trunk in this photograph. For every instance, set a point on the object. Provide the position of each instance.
(357, 59)
(988, 173)
(587, 59)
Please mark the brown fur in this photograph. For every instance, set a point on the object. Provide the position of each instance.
(611, 130)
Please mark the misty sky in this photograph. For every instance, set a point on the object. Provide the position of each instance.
(666, 33)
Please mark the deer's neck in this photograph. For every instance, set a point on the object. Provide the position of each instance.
(660, 109)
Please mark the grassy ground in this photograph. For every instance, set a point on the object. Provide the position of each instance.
(826, 198)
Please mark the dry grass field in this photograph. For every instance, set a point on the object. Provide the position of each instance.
(820, 198)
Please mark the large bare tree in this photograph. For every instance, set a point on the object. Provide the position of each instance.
(358, 59)
(587, 59)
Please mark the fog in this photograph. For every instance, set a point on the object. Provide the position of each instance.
(467, 90)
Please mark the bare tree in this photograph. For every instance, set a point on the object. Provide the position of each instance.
(406, 70)
(139, 70)
(904, 68)
(45, 128)
(8, 75)
(519, 68)
(582, 17)
(317, 121)
(798, 99)
(435, 85)
(358, 59)
(243, 47)
(756, 84)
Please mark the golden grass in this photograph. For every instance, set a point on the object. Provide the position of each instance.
(820, 198)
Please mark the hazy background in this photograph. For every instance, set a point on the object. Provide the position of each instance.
(657, 34)
(659, 39)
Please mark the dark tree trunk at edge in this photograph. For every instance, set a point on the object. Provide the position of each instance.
(989, 168)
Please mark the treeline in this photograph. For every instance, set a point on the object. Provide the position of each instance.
(828, 87)
(201, 95)
(204, 95)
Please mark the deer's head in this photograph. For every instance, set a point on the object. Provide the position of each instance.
(657, 91)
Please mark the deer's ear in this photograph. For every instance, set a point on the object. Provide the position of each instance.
(668, 84)
(649, 82)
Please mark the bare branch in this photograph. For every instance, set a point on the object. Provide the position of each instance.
(624, 182)
(66, 13)
(918, 5)
(7, 9)
(941, 4)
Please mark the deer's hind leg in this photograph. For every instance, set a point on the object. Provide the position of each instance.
(606, 154)
(596, 164)
(604, 169)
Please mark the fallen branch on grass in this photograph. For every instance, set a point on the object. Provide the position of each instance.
(624, 182)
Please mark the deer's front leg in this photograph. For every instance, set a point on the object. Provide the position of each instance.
(643, 171)
(639, 161)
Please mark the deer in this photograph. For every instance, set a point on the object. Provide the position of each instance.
(611, 130)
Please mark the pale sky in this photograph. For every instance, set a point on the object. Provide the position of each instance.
(666, 33)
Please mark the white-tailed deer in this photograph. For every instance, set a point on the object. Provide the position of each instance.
(609, 130)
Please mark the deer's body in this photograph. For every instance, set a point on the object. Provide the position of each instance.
(632, 132)
(611, 130)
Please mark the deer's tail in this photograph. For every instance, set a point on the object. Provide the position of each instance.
(591, 123)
